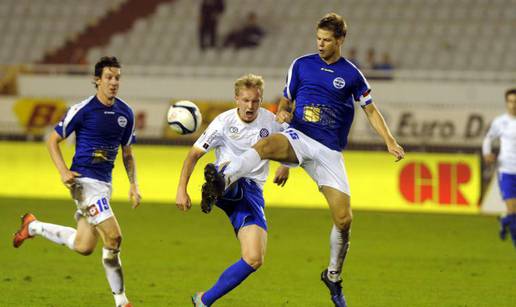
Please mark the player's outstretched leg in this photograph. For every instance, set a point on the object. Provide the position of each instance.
(335, 290)
(56, 233)
(112, 239)
(197, 300)
(213, 188)
(23, 233)
(229, 279)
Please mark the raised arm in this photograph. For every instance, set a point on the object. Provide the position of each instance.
(378, 123)
(183, 201)
(130, 168)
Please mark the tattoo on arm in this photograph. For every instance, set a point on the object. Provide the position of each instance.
(130, 168)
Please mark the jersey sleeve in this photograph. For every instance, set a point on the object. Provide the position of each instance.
(277, 127)
(211, 137)
(129, 136)
(362, 90)
(292, 83)
(493, 133)
(70, 122)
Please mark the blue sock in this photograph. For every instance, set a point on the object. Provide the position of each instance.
(512, 227)
(229, 279)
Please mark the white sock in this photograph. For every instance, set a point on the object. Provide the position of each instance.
(56, 233)
(242, 165)
(339, 245)
(113, 267)
(120, 299)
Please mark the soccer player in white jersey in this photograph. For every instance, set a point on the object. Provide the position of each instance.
(325, 88)
(504, 129)
(231, 134)
(102, 123)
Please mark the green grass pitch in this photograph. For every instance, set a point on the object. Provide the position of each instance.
(395, 259)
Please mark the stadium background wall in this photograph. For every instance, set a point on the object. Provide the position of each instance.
(423, 182)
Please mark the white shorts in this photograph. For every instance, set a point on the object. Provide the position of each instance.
(324, 165)
(92, 200)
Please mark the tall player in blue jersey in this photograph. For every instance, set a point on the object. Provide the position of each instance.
(102, 123)
(325, 88)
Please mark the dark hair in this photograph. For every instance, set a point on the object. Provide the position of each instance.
(105, 61)
(511, 91)
(335, 23)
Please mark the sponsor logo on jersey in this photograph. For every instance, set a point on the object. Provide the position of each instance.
(339, 82)
(233, 132)
(264, 132)
(122, 121)
(311, 113)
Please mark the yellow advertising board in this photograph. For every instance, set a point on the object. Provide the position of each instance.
(37, 114)
(422, 182)
(432, 182)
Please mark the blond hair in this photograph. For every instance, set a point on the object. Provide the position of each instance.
(249, 81)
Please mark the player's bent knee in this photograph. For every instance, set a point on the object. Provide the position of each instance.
(271, 147)
(255, 261)
(263, 147)
(84, 250)
(113, 242)
(343, 222)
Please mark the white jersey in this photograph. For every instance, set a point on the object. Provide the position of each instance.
(503, 128)
(231, 137)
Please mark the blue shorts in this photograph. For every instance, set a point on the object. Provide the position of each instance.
(507, 183)
(244, 204)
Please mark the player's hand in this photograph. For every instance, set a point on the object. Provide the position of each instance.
(283, 116)
(490, 159)
(134, 195)
(68, 178)
(183, 201)
(396, 150)
(281, 176)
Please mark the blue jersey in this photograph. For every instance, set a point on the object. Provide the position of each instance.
(99, 132)
(324, 98)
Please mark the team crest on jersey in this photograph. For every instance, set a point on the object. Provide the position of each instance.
(122, 121)
(233, 129)
(339, 82)
(264, 133)
(93, 210)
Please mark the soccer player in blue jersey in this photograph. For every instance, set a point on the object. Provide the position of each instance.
(230, 134)
(325, 87)
(504, 129)
(102, 123)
